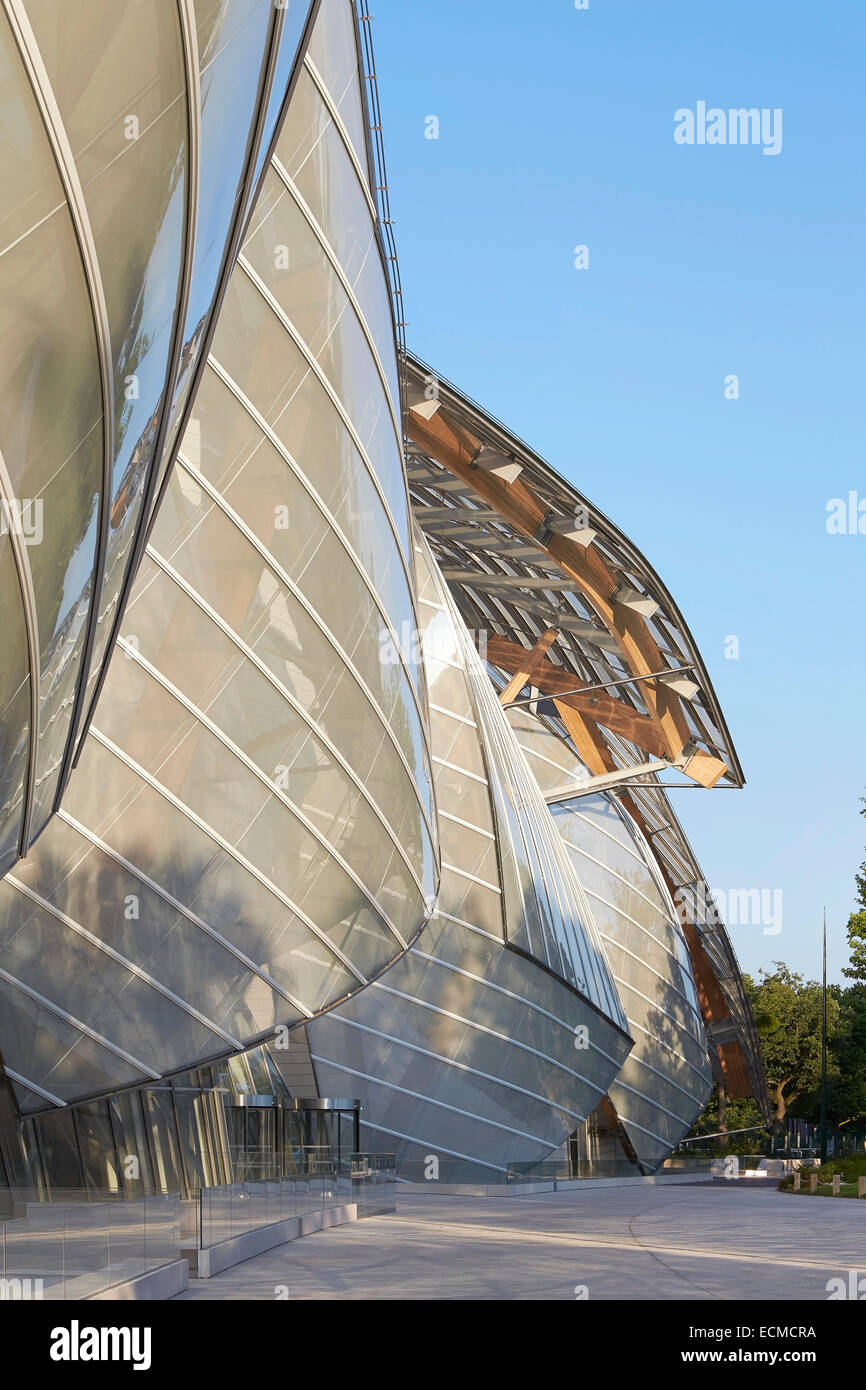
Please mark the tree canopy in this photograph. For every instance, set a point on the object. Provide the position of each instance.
(787, 1013)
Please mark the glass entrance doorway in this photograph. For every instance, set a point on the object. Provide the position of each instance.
(330, 1127)
(269, 1139)
(253, 1141)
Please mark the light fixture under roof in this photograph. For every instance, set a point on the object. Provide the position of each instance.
(425, 408)
(502, 466)
(574, 529)
(680, 684)
(633, 599)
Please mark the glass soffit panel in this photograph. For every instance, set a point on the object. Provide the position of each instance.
(50, 401)
(333, 50)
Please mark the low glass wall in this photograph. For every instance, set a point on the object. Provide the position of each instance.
(374, 1184)
(319, 1182)
(560, 1170)
(82, 1244)
(267, 1164)
(434, 1171)
(688, 1163)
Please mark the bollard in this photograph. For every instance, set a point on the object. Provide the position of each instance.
(836, 1182)
(813, 1182)
(861, 1187)
(798, 1181)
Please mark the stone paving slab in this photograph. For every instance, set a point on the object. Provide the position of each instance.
(686, 1243)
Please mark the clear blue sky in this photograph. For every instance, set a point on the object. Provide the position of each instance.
(556, 129)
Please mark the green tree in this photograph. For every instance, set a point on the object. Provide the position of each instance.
(846, 1094)
(787, 1012)
(856, 970)
(738, 1114)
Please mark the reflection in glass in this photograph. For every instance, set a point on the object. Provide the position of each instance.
(14, 708)
(124, 111)
(96, 1143)
(163, 1139)
(666, 1078)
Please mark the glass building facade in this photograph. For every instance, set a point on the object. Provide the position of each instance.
(270, 591)
(467, 1049)
(125, 165)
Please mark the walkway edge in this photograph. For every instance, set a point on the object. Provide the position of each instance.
(534, 1189)
(155, 1286)
(216, 1258)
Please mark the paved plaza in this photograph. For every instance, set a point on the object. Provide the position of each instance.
(692, 1242)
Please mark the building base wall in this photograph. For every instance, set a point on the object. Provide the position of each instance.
(155, 1286)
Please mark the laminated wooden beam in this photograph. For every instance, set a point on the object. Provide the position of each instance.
(596, 706)
(586, 738)
(529, 664)
(457, 450)
(706, 769)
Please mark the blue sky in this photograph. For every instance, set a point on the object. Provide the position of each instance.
(556, 130)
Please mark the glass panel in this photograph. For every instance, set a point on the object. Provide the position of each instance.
(50, 402)
(545, 907)
(232, 37)
(43, 1047)
(313, 154)
(333, 50)
(132, 1146)
(663, 1085)
(239, 699)
(140, 824)
(14, 707)
(294, 19)
(469, 851)
(60, 1150)
(239, 1072)
(163, 1140)
(124, 111)
(79, 878)
(208, 777)
(259, 1072)
(35, 1167)
(257, 352)
(276, 498)
(289, 258)
(66, 612)
(193, 1138)
(98, 1155)
(272, 621)
(232, 41)
(516, 1085)
(41, 951)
